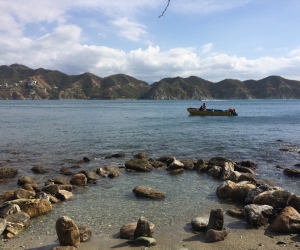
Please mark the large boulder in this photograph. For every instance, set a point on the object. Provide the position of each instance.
(138, 165)
(258, 215)
(288, 221)
(7, 173)
(143, 191)
(274, 198)
(37, 207)
(254, 192)
(67, 232)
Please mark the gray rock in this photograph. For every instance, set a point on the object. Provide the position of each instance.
(143, 191)
(258, 215)
(176, 164)
(215, 171)
(138, 165)
(199, 223)
(64, 195)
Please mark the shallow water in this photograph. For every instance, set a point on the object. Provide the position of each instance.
(59, 133)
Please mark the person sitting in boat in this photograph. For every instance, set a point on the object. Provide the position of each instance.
(203, 107)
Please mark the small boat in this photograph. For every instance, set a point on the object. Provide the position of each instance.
(212, 112)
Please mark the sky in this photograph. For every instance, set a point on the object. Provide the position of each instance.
(211, 39)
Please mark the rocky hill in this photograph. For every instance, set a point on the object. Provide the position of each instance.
(21, 82)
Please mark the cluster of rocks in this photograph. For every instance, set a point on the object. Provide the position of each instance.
(263, 204)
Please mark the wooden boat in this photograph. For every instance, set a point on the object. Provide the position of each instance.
(212, 112)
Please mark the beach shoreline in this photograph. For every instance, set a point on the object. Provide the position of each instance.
(241, 236)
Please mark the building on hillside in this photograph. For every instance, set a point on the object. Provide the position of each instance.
(31, 83)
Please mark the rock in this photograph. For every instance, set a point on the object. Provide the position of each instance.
(61, 180)
(90, 175)
(288, 221)
(216, 235)
(248, 164)
(141, 155)
(8, 195)
(217, 161)
(226, 171)
(2, 225)
(175, 164)
(294, 201)
(51, 189)
(7, 173)
(234, 176)
(127, 230)
(22, 193)
(86, 159)
(9, 209)
(37, 207)
(166, 159)
(65, 171)
(113, 173)
(224, 189)
(42, 195)
(17, 222)
(143, 191)
(67, 232)
(188, 165)
(274, 198)
(40, 170)
(118, 155)
(85, 233)
(254, 192)
(237, 213)
(240, 191)
(79, 180)
(292, 172)
(28, 187)
(157, 164)
(102, 172)
(25, 179)
(53, 199)
(215, 171)
(176, 171)
(145, 241)
(247, 177)
(142, 228)
(199, 223)
(138, 165)
(216, 219)
(19, 202)
(200, 165)
(64, 195)
(258, 215)
(242, 169)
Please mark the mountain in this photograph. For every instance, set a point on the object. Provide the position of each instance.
(21, 82)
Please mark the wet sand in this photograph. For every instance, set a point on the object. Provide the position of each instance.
(180, 237)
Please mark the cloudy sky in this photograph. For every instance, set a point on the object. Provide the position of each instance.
(211, 39)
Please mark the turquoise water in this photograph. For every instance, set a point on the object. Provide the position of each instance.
(59, 133)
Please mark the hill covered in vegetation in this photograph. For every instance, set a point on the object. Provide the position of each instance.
(21, 82)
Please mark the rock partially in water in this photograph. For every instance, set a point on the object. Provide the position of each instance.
(9, 209)
(274, 198)
(258, 215)
(147, 192)
(8, 195)
(240, 191)
(23, 194)
(37, 207)
(141, 155)
(85, 233)
(79, 180)
(292, 172)
(64, 195)
(175, 164)
(40, 170)
(25, 179)
(138, 165)
(8, 173)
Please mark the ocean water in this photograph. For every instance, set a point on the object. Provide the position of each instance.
(53, 134)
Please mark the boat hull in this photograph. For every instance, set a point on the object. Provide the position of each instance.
(209, 112)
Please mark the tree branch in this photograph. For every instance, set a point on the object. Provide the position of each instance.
(165, 9)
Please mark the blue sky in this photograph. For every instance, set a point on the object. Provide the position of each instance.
(211, 39)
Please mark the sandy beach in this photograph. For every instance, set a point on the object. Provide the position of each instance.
(181, 237)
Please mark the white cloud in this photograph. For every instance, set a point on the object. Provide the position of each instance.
(206, 48)
(130, 30)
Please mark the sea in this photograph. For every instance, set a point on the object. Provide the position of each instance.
(56, 133)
